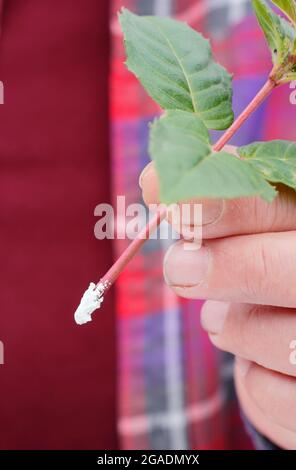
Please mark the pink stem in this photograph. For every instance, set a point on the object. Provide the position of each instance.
(252, 106)
(133, 248)
(119, 265)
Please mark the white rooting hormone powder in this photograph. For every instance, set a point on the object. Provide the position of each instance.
(91, 301)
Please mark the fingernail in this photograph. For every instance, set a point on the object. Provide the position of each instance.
(243, 366)
(213, 316)
(144, 173)
(212, 210)
(184, 266)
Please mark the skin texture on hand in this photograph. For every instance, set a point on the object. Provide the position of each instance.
(246, 270)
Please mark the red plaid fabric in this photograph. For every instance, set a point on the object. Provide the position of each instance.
(175, 389)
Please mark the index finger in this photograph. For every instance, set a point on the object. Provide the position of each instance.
(241, 216)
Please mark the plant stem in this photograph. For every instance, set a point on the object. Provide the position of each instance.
(133, 248)
(119, 265)
(252, 106)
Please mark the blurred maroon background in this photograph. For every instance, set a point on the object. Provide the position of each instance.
(57, 386)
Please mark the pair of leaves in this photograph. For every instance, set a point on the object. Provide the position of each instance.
(204, 173)
(188, 167)
(280, 35)
(175, 65)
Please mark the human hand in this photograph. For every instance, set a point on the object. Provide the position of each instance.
(247, 267)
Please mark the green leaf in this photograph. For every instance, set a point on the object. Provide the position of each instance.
(270, 26)
(175, 65)
(288, 7)
(281, 38)
(274, 160)
(187, 166)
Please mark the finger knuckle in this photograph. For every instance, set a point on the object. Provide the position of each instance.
(250, 324)
(258, 272)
